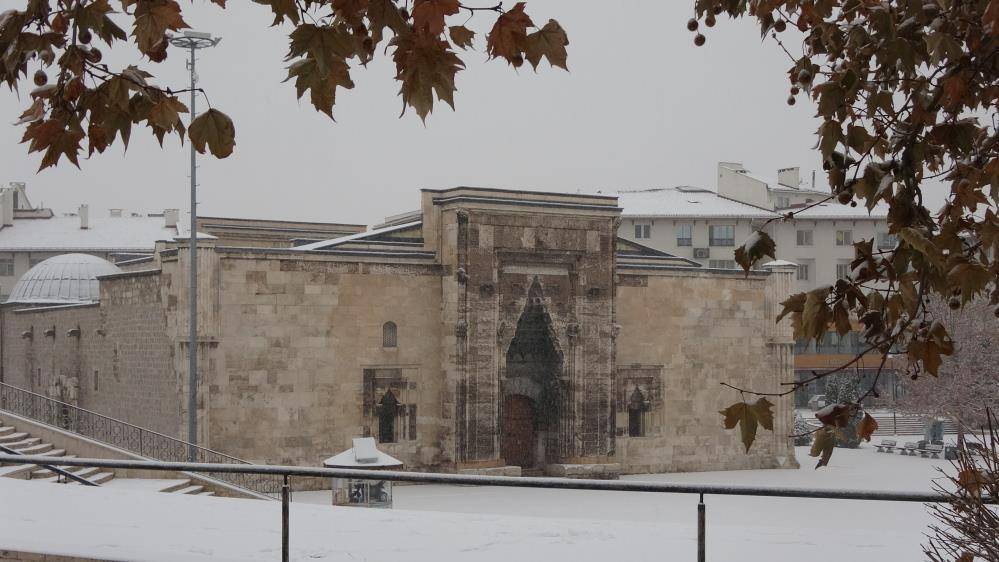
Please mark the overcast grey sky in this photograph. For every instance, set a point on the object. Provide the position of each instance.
(640, 107)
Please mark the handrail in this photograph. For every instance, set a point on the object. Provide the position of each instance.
(54, 469)
(531, 482)
(121, 434)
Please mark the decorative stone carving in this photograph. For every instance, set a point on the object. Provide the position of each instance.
(501, 329)
(461, 275)
(487, 290)
(461, 329)
(615, 330)
(572, 330)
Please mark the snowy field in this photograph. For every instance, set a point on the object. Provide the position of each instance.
(491, 524)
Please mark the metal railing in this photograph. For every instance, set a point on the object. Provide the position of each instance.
(54, 469)
(132, 438)
(702, 490)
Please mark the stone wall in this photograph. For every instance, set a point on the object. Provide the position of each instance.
(299, 335)
(117, 353)
(697, 330)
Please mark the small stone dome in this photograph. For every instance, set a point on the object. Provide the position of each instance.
(68, 278)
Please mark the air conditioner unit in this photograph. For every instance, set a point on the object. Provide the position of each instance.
(702, 253)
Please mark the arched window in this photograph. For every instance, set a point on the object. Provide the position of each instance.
(389, 335)
(388, 408)
(636, 409)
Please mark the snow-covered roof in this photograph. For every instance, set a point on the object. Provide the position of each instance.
(685, 202)
(104, 234)
(835, 210)
(364, 454)
(63, 279)
(326, 244)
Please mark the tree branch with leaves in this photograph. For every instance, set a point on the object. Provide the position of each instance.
(905, 92)
(78, 98)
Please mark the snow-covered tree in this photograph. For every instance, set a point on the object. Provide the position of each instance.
(968, 381)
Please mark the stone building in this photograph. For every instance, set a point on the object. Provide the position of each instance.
(492, 331)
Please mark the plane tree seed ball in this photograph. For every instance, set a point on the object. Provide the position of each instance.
(41, 78)
(84, 36)
(804, 77)
(692, 24)
(780, 26)
(699, 39)
(710, 20)
(791, 100)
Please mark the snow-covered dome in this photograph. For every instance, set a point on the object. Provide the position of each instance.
(67, 278)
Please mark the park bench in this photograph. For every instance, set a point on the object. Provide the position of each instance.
(931, 450)
(887, 446)
(909, 449)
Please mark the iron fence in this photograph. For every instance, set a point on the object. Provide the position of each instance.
(285, 473)
(132, 438)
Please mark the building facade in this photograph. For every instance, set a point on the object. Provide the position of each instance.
(492, 331)
(707, 225)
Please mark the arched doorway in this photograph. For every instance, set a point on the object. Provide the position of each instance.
(533, 397)
(519, 431)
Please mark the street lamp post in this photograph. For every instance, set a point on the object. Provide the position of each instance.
(192, 41)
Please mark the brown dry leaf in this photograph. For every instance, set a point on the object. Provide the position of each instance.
(758, 244)
(549, 42)
(763, 409)
(508, 37)
(322, 86)
(153, 18)
(428, 15)
(867, 427)
(744, 416)
(33, 113)
(461, 36)
(837, 415)
(215, 129)
(426, 66)
(825, 442)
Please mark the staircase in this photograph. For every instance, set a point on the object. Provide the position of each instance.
(25, 444)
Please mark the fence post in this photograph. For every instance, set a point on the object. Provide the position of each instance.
(700, 529)
(285, 498)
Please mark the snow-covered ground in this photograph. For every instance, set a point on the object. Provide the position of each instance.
(491, 524)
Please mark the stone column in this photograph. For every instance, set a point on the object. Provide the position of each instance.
(780, 344)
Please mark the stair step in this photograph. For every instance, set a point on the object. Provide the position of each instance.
(15, 470)
(6, 430)
(36, 449)
(12, 437)
(82, 472)
(207, 494)
(44, 472)
(102, 477)
(23, 443)
(190, 490)
(176, 485)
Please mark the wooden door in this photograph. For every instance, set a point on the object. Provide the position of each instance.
(519, 438)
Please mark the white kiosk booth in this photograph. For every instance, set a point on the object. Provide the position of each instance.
(363, 493)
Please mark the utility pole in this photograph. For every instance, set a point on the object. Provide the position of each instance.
(192, 41)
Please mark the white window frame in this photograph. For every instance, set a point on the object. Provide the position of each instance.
(803, 272)
(805, 237)
(722, 264)
(643, 231)
(684, 228)
(844, 237)
(719, 241)
(843, 270)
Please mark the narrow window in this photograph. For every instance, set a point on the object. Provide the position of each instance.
(96, 381)
(721, 264)
(844, 237)
(636, 409)
(7, 267)
(804, 237)
(389, 335)
(643, 231)
(388, 409)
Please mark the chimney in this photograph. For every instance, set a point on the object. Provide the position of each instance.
(84, 216)
(115, 213)
(171, 217)
(789, 177)
(7, 207)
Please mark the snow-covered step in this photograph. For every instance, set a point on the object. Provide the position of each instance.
(177, 485)
(6, 430)
(82, 472)
(45, 473)
(23, 443)
(15, 470)
(207, 494)
(12, 437)
(101, 477)
(190, 490)
(35, 449)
